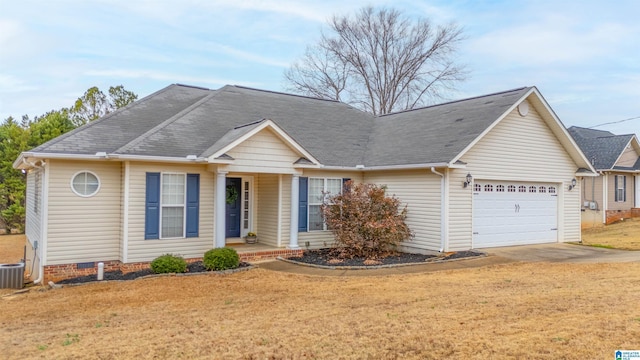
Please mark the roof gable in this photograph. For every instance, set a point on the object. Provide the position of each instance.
(241, 134)
(532, 96)
(602, 148)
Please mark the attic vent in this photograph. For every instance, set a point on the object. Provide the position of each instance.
(460, 119)
(523, 108)
(489, 102)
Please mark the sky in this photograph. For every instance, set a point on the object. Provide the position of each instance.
(584, 56)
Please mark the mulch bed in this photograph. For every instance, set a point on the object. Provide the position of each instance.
(324, 257)
(195, 267)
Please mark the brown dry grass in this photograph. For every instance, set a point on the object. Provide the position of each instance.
(622, 235)
(542, 311)
(11, 248)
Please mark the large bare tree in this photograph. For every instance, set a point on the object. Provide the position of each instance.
(381, 61)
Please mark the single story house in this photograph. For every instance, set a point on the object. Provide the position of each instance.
(614, 195)
(187, 169)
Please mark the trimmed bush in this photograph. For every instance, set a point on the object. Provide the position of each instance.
(221, 259)
(168, 263)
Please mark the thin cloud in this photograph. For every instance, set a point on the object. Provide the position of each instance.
(557, 40)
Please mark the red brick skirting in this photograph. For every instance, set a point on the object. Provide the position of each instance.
(618, 215)
(65, 271)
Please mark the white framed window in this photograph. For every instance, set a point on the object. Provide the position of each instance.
(172, 205)
(85, 183)
(320, 189)
(621, 188)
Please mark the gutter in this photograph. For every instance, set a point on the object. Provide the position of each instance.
(390, 167)
(189, 159)
(443, 209)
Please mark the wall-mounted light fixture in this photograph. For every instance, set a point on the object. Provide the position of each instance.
(468, 180)
(573, 184)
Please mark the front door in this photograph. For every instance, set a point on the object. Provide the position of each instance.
(233, 207)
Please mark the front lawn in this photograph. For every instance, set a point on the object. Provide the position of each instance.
(621, 235)
(519, 310)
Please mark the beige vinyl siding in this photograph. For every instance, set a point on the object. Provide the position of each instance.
(267, 213)
(517, 149)
(612, 204)
(321, 239)
(33, 227)
(146, 250)
(83, 229)
(33, 221)
(592, 191)
(628, 158)
(264, 152)
(420, 191)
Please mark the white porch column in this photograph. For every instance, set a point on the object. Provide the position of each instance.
(295, 193)
(637, 190)
(220, 209)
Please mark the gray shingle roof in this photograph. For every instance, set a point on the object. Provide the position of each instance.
(436, 133)
(602, 148)
(125, 125)
(181, 120)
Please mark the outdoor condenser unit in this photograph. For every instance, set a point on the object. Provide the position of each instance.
(12, 276)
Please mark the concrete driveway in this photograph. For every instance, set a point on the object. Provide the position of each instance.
(568, 253)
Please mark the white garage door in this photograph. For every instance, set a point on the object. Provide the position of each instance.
(512, 213)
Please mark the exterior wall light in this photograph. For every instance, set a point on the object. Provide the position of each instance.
(468, 180)
(573, 184)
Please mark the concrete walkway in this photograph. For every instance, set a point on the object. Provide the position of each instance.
(566, 253)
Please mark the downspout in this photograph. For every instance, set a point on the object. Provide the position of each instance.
(443, 222)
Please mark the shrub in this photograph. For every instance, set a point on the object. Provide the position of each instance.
(221, 259)
(168, 263)
(366, 222)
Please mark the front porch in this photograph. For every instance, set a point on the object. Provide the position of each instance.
(262, 252)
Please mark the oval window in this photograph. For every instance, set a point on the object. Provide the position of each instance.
(85, 183)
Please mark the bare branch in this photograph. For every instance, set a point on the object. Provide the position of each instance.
(380, 61)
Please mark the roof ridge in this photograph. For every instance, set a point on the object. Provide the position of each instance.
(457, 101)
(287, 94)
(165, 123)
(100, 120)
(193, 86)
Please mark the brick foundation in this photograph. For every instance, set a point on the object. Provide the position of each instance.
(65, 271)
(618, 215)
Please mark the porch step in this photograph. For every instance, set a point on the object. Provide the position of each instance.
(263, 255)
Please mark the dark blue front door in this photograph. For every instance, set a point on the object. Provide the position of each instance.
(233, 207)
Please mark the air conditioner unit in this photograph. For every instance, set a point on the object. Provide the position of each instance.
(12, 276)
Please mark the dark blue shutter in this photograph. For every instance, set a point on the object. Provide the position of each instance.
(193, 204)
(152, 207)
(615, 186)
(344, 184)
(302, 203)
(624, 188)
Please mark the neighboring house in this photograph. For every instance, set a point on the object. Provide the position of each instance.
(187, 169)
(615, 195)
